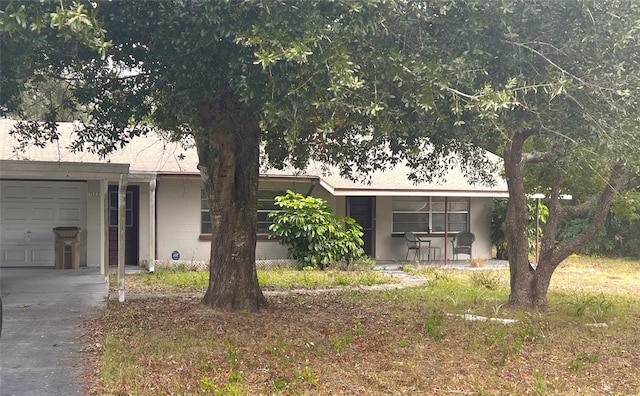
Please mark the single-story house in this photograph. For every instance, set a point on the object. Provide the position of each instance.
(166, 213)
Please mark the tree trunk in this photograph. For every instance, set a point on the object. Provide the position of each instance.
(529, 285)
(525, 283)
(228, 150)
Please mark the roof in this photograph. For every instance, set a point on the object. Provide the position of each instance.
(152, 154)
(146, 154)
(395, 182)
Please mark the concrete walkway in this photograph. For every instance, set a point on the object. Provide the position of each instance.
(489, 264)
(43, 308)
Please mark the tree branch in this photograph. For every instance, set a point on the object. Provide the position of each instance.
(600, 212)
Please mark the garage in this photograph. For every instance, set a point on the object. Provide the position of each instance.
(29, 211)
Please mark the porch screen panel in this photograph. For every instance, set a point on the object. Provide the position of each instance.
(411, 214)
(457, 215)
(458, 222)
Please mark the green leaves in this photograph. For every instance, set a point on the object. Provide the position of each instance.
(356, 84)
(45, 38)
(316, 236)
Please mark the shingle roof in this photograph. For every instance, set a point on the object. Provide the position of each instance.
(153, 154)
(146, 154)
(395, 181)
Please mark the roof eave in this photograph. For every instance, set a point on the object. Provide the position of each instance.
(413, 192)
(19, 169)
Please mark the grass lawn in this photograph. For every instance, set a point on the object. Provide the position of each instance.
(340, 339)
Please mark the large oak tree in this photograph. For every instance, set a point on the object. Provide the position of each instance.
(360, 85)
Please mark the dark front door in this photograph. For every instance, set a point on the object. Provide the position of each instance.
(362, 209)
(131, 233)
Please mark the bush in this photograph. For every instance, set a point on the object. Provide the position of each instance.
(316, 236)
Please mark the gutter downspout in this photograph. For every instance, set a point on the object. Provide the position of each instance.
(313, 185)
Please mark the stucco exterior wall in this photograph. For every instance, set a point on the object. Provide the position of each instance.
(178, 219)
(178, 222)
(93, 228)
(144, 224)
(388, 247)
(481, 227)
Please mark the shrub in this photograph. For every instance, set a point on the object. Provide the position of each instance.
(316, 236)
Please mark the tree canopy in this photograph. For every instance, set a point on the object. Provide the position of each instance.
(344, 78)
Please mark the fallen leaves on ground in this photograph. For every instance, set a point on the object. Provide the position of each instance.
(349, 343)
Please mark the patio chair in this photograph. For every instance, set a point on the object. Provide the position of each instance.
(417, 245)
(462, 243)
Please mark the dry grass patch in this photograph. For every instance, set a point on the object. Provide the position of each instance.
(358, 342)
(613, 276)
(176, 281)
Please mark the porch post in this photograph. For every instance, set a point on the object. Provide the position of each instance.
(122, 227)
(104, 229)
(152, 225)
(446, 229)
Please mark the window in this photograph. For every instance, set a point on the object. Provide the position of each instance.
(266, 205)
(419, 214)
(205, 217)
(457, 212)
(411, 214)
(113, 209)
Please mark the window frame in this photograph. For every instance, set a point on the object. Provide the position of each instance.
(423, 207)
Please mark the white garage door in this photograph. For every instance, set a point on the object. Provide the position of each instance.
(28, 212)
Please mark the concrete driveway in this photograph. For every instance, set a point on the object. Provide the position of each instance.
(43, 308)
